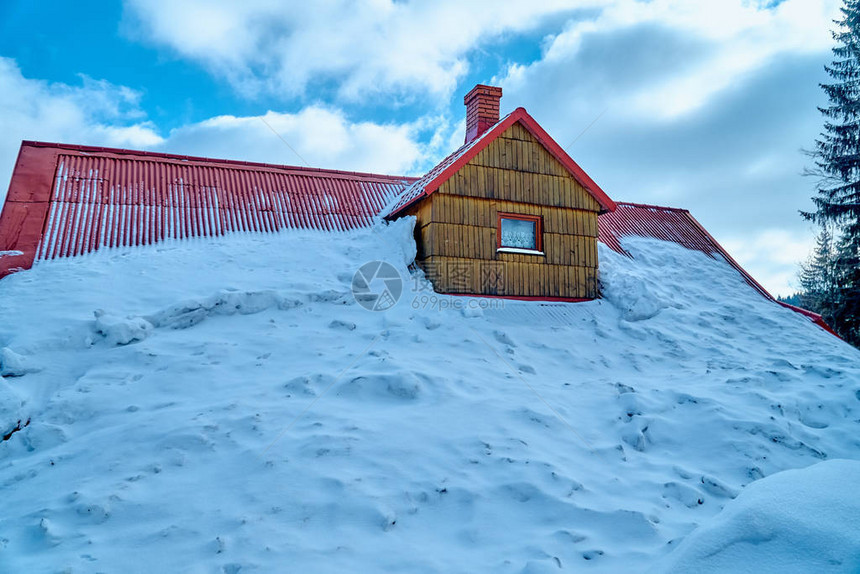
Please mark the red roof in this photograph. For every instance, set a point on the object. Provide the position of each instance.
(666, 223)
(678, 226)
(452, 164)
(68, 200)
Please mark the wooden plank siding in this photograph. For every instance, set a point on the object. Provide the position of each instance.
(475, 276)
(459, 210)
(476, 180)
(475, 242)
(457, 225)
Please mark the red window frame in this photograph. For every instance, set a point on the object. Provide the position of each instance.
(538, 221)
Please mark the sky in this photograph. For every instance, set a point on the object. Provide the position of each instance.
(701, 104)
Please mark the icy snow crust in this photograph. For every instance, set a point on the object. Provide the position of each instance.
(224, 405)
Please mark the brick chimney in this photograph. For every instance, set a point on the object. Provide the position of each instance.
(482, 110)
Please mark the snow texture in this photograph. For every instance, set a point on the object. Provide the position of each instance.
(14, 365)
(793, 521)
(12, 412)
(224, 405)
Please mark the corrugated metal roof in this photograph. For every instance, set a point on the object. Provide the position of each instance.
(83, 198)
(678, 226)
(668, 224)
(66, 200)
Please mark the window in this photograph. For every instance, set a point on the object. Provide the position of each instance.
(520, 234)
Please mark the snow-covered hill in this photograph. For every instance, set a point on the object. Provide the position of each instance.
(225, 406)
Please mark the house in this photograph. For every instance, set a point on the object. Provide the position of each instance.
(509, 214)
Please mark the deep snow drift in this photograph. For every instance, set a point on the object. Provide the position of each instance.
(793, 521)
(225, 405)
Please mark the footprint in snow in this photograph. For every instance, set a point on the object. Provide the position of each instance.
(342, 325)
(301, 386)
(503, 338)
(689, 497)
(717, 488)
(568, 536)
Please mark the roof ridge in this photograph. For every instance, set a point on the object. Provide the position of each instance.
(650, 206)
(446, 168)
(202, 159)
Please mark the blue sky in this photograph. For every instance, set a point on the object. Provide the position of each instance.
(698, 104)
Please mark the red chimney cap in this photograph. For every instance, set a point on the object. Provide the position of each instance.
(483, 90)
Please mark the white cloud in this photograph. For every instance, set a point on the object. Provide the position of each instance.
(744, 40)
(95, 113)
(719, 44)
(422, 49)
(410, 48)
(100, 113)
(703, 105)
(322, 137)
(772, 256)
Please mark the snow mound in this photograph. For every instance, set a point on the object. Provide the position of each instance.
(12, 413)
(235, 409)
(123, 331)
(641, 294)
(119, 331)
(189, 313)
(14, 365)
(793, 521)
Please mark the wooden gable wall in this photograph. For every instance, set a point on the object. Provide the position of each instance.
(457, 225)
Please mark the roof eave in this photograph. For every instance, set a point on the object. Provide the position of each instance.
(522, 116)
(578, 173)
(399, 211)
(156, 156)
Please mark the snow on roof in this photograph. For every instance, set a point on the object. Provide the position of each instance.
(668, 224)
(230, 407)
(66, 200)
(678, 226)
(798, 520)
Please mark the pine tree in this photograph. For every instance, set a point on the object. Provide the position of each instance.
(847, 311)
(818, 277)
(837, 161)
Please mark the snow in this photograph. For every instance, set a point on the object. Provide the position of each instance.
(804, 520)
(224, 405)
(12, 411)
(119, 331)
(14, 365)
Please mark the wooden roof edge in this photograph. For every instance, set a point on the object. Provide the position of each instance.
(474, 148)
